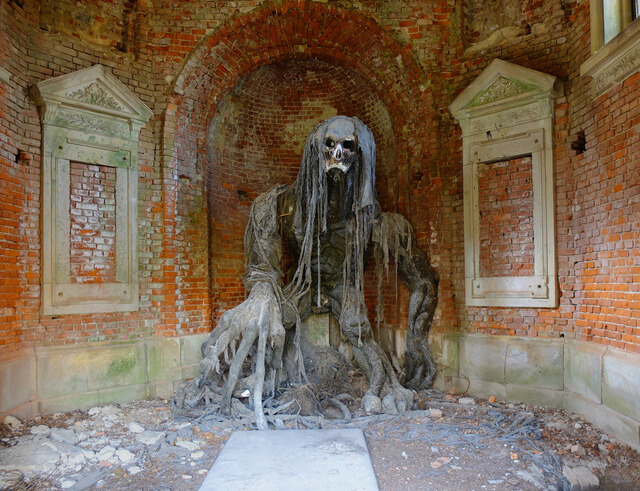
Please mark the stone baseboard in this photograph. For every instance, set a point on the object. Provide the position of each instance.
(62, 378)
(593, 380)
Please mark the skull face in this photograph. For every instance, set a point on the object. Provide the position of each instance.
(340, 145)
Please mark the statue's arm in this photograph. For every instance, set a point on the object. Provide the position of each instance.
(394, 235)
(263, 251)
(256, 319)
(262, 240)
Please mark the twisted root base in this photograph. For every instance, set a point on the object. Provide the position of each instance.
(305, 406)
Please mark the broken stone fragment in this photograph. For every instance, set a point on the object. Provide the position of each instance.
(191, 446)
(580, 478)
(13, 422)
(41, 430)
(106, 453)
(69, 453)
(64, 435)
(135, 427)
(67, 483)
(89, 454)
(110, 410)
(125, 456)
(149, 437)
(31, 456)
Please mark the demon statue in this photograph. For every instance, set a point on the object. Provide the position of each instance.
(331, 221)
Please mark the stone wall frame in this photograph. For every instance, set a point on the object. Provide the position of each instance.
(89, 117)
(615, 61)
(506, 113)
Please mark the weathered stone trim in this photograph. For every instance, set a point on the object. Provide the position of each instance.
(616, 61)
(88, 117)
(63, 378)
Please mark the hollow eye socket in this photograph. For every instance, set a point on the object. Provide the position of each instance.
(330, 143)
(349, 145)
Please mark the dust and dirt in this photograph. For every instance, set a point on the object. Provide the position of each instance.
(447, 442)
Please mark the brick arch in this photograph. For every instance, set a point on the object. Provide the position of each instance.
(275, 32)
(297, 29)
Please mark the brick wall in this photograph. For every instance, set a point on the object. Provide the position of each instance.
(19, 190)
(31, 53)
(93, 223)
(596, 204)
(505, 202)
(395, 64)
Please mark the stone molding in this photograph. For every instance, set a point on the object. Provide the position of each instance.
(505, 113)
(615, 61)
(89, 117)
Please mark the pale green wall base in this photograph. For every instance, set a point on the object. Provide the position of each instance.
(46, 380)
(598, 382)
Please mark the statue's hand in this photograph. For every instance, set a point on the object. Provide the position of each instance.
(260, 312)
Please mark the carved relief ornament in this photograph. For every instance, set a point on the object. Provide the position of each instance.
(95, 94)
(615, 61)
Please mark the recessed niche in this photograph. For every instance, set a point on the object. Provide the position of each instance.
(92, 234)
(505, 205)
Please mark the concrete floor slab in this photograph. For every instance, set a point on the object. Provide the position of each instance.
(293, 460)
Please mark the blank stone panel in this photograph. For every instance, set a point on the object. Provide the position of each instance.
(505, 200)
(92, 244)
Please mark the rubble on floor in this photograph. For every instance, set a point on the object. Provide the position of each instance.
(447, 442)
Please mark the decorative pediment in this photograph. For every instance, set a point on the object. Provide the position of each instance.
(503, 85)
(501, 88)
(91, 99)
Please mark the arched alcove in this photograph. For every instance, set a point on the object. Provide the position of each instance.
(256, 138)
(346, 64)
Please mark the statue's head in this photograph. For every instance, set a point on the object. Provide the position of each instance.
(340, 145)
(343, 147)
